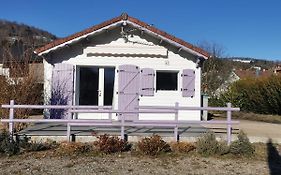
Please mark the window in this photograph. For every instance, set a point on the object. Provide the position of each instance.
(166, 81)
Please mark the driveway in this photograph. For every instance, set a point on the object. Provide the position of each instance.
(256, 131)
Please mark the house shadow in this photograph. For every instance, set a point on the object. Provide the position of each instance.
(273, 159)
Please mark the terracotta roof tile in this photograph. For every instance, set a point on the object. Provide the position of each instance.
(124, 16)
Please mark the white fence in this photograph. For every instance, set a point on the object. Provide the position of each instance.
(122, 123)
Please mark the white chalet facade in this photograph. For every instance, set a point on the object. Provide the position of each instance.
(124, 63)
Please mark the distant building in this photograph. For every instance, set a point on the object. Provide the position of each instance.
(242, 61)
(10, 73)
(277, 69)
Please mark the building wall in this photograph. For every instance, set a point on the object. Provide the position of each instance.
(154, 56)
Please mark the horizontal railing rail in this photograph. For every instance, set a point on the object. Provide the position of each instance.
(55, 106)
(190, 108)
(122, 123)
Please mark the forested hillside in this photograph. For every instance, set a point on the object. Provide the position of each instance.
(19, 40)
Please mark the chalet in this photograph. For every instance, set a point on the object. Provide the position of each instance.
(124, 63)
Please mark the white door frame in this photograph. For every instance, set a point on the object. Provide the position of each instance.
(101, 87)
(100, 94)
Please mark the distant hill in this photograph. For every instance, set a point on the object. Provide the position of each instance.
(246, 63)
(19, 40)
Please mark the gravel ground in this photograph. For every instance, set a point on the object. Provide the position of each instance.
(43, 163)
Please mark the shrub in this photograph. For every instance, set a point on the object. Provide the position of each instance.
(28, 145)
(182, 147)
(11, 146)
(207, 144)
(8, 145)
(242, 146)
(69, 148)
(58, 97)
(34, 146)
(111, 144)
(258, 95)
(153, 145)
(223, 148)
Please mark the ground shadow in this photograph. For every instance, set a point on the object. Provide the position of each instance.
(273, 158)
(210, 116)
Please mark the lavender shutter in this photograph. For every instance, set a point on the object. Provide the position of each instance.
(62, 88)
(147, 82)
(188, 83)
(128, 90)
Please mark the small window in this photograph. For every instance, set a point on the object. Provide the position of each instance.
(167, 81)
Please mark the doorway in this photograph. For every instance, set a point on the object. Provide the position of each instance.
(95, 86)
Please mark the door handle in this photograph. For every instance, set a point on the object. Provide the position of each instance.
(99, 93)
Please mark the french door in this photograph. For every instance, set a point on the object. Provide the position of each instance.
(95, 86)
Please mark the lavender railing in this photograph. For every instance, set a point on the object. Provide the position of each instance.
(109, 122)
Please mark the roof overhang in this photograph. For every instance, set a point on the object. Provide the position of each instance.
(77, 39)
(168, 40)
(122, 20)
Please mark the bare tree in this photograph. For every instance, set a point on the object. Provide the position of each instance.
(20, 85)
(215, 70)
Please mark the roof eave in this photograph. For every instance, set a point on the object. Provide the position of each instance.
(78, 38)
(117, 21)
(169, 40)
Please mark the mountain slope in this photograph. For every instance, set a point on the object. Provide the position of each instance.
(17, 41)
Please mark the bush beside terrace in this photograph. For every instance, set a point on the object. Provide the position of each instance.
(259, 95)
(206, 145)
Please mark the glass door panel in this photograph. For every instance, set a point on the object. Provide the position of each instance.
(109, 74)
(88, 86)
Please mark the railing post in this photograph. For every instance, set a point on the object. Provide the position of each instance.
(68, 129)
(228, 123)
(176, 135)
(110, 115)
(122, 127)
(204, 104)
(11, 117)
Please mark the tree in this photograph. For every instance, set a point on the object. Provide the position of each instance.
(20, 84)
(215, 70)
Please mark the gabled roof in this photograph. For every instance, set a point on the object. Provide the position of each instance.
(124, 18)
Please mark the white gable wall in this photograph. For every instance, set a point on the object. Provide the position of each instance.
(95, 55)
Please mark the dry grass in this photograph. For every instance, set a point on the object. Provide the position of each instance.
(73, 148)
(125, 163)
(182, 147)
(251, 116)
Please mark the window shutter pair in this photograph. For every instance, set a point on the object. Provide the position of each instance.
(148, 78)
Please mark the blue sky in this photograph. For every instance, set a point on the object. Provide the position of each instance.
(249, 28)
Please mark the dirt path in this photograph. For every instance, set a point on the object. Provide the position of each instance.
(261, 129)
(127, 164)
